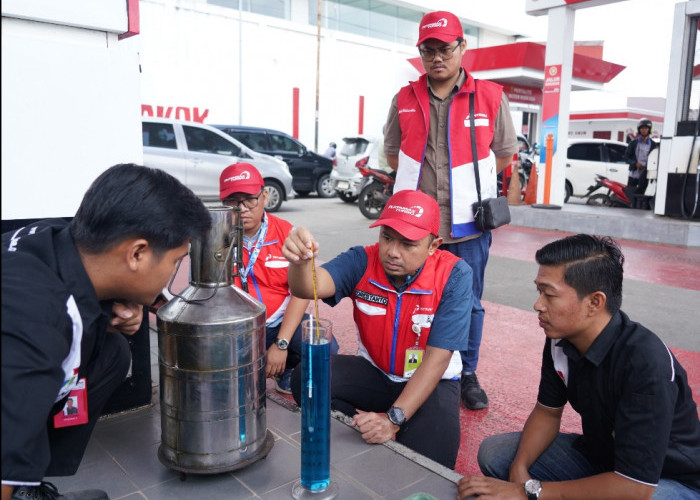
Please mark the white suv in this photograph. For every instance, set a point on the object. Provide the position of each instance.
(587, 157)
(196, 154)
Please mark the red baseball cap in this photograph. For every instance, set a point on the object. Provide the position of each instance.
(413, 214)
(440, 25)
(240, 178)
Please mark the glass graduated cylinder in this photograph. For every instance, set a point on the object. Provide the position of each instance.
(315, 413)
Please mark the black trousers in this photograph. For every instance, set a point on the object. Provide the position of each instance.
(433, 431)
(294, 350)
(105, 372)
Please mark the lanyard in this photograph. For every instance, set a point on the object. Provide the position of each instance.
(255, 252)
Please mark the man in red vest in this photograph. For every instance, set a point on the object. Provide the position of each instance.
(411, 301)
(428, 139)
(264, 272)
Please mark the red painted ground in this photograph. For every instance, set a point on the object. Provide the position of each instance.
(512, 340)
(654, 263)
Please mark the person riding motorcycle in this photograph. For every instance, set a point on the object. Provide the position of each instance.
(636, 156)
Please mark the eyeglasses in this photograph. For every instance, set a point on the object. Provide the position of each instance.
(446, 53)
(249, 203)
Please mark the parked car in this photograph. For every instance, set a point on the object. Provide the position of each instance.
(196, 154)
(310, 171)
(587, 157)
(354, 151)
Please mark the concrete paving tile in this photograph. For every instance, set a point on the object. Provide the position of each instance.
(433, 484)
(103, 475)
(348, 489)
(200, 486)
(282, 465)
(382, 470)
(140, 462)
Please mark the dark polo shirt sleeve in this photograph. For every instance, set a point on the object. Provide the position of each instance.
(346, 270)
(552, 391)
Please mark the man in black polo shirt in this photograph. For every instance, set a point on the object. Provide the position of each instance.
(641, 435)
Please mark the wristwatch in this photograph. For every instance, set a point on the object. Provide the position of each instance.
(532, 489)
(282, 344)
(396, 416)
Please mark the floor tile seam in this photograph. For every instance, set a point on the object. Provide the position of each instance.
(127, 476)
(287, 438)
(402, 450)
(139, 492)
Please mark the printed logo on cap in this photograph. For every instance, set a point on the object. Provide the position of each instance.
(440, 23)
(245, 175)
(415, 210)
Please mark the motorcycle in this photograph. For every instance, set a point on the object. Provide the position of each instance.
(616, 195)
(524, 169)
(377, 187)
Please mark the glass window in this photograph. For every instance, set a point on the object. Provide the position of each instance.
(273, 8)
(616, 153)
(257, 141)
(206, 141)
(352, 147)
(372, 18)
(158, 135)
(284, 143)
(585, 151)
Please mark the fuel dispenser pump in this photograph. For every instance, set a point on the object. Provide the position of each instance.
(675, 168)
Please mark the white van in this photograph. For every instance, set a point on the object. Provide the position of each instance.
(196, 154)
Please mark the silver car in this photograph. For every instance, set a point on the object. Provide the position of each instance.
(196, 154)
(345, 177)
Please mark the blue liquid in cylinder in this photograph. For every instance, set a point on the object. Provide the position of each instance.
(315, 415)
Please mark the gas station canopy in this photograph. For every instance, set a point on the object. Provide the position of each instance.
(522, 64)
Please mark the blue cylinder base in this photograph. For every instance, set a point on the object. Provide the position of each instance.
(301, 493)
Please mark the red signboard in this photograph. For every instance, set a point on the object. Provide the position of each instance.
(524, 95)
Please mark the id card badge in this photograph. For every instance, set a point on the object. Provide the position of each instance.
(75, 411)
(413, 359)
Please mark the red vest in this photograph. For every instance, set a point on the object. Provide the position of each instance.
(413, 105)
(267, 281)
(376, 305)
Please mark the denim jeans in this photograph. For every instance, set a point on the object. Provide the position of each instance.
(474, 252)
(560, 462)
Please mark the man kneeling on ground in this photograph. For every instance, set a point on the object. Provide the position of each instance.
(641, 435)
(410, 300)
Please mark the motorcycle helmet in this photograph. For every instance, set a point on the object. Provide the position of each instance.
(332, 144)
(644, 122)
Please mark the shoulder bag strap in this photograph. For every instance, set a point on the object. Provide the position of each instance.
(475, 157)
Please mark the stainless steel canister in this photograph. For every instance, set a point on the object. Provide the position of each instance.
(211, 344)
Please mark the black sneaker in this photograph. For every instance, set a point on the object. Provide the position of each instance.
(473, 396)
(47, 491)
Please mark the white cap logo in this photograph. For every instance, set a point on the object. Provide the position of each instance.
(440, 23)
(245, 175)
(416, 210)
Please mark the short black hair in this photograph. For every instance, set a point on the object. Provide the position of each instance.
(592, 263)
(132, 201)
